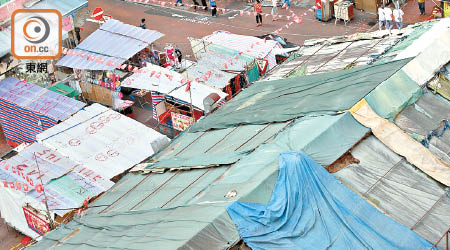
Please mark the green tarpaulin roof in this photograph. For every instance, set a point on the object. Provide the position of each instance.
(282, 100)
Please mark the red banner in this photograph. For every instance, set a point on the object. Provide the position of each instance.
(35, 222)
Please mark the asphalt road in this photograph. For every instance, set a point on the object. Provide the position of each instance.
(178, 23)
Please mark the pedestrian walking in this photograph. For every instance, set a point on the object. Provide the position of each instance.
(274, 10)
(388, 16)
(258, 9)
(195, 5)
(381, 19)
(212, 4)
(142, 25)
(421, 7)
(205, 6)
(179, 3)
(398, 18)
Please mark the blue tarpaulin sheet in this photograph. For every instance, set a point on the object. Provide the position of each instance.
(310, 209)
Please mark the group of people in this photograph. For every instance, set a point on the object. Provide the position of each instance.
(387, 17)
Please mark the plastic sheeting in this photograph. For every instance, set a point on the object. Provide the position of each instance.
(432, 57)
(401, 143)
(11, 210)
(398, 189)
(37, 99)
(103, 140)
(310, 209)
(169, 82)
(66, 7)
(281, 100)
(5, 42)
(420, 44)
(113, 39)
(199, 219)
(393, 95)
(425, 121)
(199, 161)
(250, 45)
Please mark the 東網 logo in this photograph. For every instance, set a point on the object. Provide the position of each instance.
(36, 34)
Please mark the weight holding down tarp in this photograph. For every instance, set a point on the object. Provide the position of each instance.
(310, 209)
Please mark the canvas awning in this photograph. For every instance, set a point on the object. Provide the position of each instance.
(170, 83)
(115, 41)
(103, 140)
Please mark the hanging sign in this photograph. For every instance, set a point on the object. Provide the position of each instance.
(97, 14)
(181, 122)
(262, 65)
(35, 222)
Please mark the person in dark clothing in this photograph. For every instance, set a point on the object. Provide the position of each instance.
(212, 4)
(195, 4)
(142, 25)
(205, 5)
(77, 33)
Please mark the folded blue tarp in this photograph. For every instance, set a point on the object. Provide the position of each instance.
(310, 209)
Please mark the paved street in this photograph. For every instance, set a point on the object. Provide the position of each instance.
(178, 23)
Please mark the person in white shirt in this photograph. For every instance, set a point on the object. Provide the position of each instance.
(381, 19)
(274, 10)
(398, 18)
(388, 16)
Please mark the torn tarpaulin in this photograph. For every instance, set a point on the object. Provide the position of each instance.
(199, 161)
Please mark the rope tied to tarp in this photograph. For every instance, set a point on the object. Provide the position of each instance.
(438, 132)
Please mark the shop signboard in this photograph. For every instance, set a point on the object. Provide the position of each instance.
(181, 122)
(35, 222)
(446, 8)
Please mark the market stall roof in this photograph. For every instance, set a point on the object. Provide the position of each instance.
(308, 204)
(336, 53)
(170, 83)
(37, 99)
(197, 199)
(27, 109)
(65, 90)
(250, 45)
(66, 7)
(65, 183)
(5, 42)
(114, 41)
(400, 190)
(103, 140)
(201, 206)
(213, 58)
(289, 98)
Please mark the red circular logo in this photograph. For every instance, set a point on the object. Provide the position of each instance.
(74, 142)
(115, 116)
(91, 130)
(101, 157)
(112, 153)
(97, 125)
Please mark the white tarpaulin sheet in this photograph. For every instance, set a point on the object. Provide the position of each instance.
(426, 40)
(432, 50)
(11, 210)
(401, 143)
(249, 45)
(169, 82)
(103, 140)
(51, 165)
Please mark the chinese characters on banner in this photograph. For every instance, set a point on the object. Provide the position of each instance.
(181, 122)
(35, 222)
